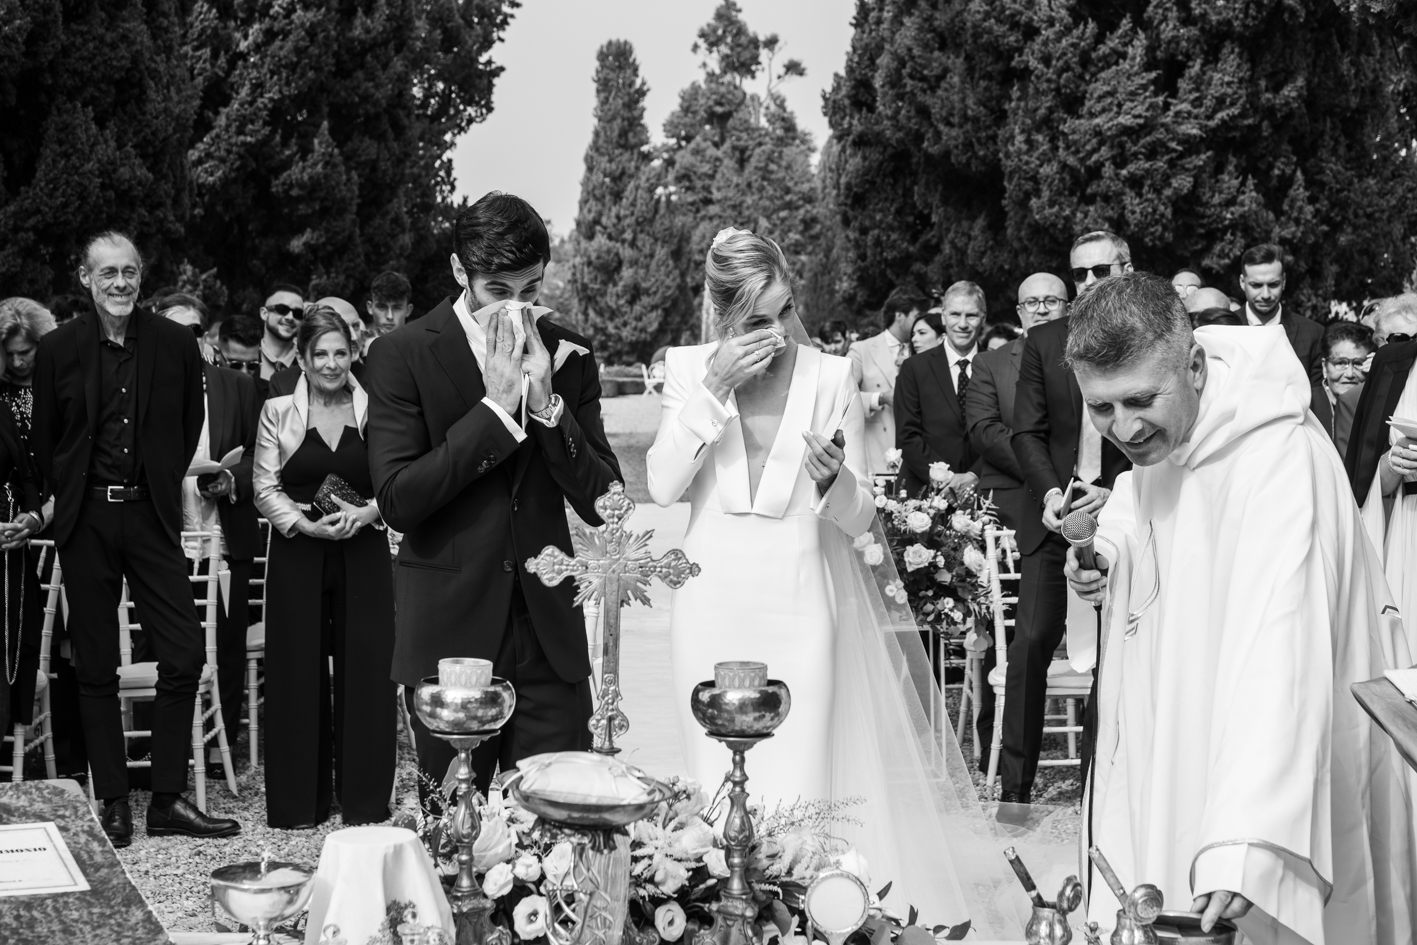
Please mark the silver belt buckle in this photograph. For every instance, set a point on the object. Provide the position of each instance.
(108, 493)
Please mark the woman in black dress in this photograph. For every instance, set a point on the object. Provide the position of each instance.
(328, 593)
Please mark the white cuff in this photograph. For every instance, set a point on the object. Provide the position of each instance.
(871, 401)
(507, 420)
(705, 417)
(558, 407)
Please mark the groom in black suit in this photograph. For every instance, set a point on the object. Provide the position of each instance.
(476, 476)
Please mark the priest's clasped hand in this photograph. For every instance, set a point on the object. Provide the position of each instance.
(1221, 904)
(1091, 586)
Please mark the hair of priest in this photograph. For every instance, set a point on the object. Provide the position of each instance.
(1125, 319)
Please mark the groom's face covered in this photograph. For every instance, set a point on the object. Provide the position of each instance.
(485, 289)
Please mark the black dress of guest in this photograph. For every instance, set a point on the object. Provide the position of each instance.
(329, 599)
(20, 602)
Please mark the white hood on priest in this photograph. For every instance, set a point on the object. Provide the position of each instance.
(1233, 767)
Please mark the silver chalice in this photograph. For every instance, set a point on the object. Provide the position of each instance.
(263, 895)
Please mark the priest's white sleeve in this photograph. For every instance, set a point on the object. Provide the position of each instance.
(690, 420)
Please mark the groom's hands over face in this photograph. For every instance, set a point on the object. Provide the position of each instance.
(536, 364)
(503, 373)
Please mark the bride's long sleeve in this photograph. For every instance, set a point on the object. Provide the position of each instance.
(690, 420)
(849, 504)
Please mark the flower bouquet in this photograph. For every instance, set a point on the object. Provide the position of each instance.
(677, 864)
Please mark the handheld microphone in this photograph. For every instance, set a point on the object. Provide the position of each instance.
(1079, 528)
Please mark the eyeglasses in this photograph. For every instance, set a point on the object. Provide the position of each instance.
(1049, 302)
(1346, 364)
(1397, 337)
(295, 311)
(1101, 271)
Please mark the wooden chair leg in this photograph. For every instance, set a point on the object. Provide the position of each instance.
(253, 691)
(199, 757)
(17, 771)
(222, 744)
(1072, 705)
(47, 733)
(996, 746)
(966, 695)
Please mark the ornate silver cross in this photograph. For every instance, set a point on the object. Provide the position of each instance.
(613, 566)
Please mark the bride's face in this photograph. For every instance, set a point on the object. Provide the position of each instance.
(773, 310)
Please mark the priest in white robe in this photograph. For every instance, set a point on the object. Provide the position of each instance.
(1241, 599)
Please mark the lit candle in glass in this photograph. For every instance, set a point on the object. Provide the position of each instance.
(464, 673)
(740, 674)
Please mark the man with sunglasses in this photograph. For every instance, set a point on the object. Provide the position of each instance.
(1262, 280)
(239, 348)
(284, 309)
(1097, 255)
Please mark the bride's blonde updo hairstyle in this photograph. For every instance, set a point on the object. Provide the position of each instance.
(740, 265)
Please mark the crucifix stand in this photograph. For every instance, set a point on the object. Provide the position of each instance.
(613, 566)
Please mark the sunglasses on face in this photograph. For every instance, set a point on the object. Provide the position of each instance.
(283, 310)
(1101, 271)
(250, 367)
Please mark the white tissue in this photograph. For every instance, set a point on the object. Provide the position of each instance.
(513, 314)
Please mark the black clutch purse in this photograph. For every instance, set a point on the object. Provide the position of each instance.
(336, 488)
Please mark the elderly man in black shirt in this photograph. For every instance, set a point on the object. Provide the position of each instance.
(117, 414)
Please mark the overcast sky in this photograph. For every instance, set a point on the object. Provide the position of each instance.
(534, 142)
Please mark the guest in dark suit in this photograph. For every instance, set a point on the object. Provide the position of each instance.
(117, 416)
(929, 398)
(477, 477)
(1262, 281)
(1054, 443)
(989, 415)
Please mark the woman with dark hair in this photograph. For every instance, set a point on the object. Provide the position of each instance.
(997, 336)
(328, 594)
(927, 332)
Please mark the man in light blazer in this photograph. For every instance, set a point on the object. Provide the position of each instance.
(875, 363)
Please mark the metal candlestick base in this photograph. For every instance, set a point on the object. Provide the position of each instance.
(465, 718)
(740, 719)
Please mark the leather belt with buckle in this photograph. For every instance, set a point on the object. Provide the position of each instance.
(120, 493)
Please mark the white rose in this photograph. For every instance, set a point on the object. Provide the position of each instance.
(557, 863)
(717, 863)
(693, 841)
(874, 554)
(862, 540)
(889, 590)
(940, 472)
(880, 501)
(901, 597)
(526, 868)
(917, 556)
(855, 864)
(498, 881)
(671, 877)
(974, 560)
(669, 921)
(918, 522)
(893, 458)
(495, 844)
(529, 917)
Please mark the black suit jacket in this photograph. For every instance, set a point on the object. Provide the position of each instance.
(16, 468)
(66, 412)
(473, 504)
(1306, 337)
(1048, 413)
(929, 420)
(1368, 438)
(233, 414)
(989, 415)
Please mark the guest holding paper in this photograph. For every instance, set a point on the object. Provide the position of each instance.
(328, 594)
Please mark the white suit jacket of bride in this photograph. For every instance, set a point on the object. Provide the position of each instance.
(700, 446)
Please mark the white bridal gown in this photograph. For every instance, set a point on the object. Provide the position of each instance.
(764, 593)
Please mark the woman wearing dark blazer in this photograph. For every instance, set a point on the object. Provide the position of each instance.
(329, 594)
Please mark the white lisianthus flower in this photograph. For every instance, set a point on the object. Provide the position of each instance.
(901, 597)
(669, 921)
(893, 458)
(873, 554)
(557, 863)
(527, 868)
(940, 472)
(671, 877)
(974, 560)
(862, 540)
(498, 881)
(495, 844)
(918, 522)
(529, 917)
(717, 863)
(916, 557)
(939, 561)
(693, 841)
(855, 864)
(881, 501)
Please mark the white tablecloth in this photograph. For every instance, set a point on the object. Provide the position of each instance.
(367, 880)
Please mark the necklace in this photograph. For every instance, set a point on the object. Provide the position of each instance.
(12, 667)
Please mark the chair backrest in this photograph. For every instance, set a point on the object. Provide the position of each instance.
(998, 544)
(53, 591)
(206, 596)
(258, 573)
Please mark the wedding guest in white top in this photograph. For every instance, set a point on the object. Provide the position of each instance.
(875, 362)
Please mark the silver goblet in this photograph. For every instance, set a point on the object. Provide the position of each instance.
(465, 718)
(263, 895)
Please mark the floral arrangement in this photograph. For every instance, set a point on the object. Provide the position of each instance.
(677, 861)
(937, 544)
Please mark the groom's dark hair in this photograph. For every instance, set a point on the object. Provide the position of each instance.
(500, 233)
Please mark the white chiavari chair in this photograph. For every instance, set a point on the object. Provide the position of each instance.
(40, 732)
(256, 640)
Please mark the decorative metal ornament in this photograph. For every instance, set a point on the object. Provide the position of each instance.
(613, 566)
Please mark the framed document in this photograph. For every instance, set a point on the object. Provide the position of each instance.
(35, 861)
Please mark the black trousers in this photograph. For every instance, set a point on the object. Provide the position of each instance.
(551, 714)
(1042, 622)
(111, 541)
(232, 621)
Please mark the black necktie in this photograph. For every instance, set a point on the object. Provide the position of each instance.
(963, 384)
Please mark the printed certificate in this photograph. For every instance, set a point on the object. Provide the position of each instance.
(34, 861)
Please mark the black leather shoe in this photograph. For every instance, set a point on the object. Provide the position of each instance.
(117, 822)
(183, 819)
(1014, 797)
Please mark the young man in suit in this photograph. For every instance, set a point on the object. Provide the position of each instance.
(117, 416)
(875, 363)
(989, 416)
(477, 440)
(1055, 443)
(1262, 281)
(930, 395)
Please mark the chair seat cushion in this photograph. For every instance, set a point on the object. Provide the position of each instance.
(256, 637)
(144, 676)
(1061, 675)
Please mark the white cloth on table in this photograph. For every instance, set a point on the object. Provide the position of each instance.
(370, 876)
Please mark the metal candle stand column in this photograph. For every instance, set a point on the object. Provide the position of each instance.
(465, 718)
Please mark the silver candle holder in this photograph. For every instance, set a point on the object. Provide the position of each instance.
(739, 707)
(465, 718)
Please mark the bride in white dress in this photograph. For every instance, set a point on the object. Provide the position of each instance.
(747, 429)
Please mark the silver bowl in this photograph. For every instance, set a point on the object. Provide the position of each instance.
(741, 713)
(580, 814)
(1185, 927)
(449, 710)
(263, 895)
